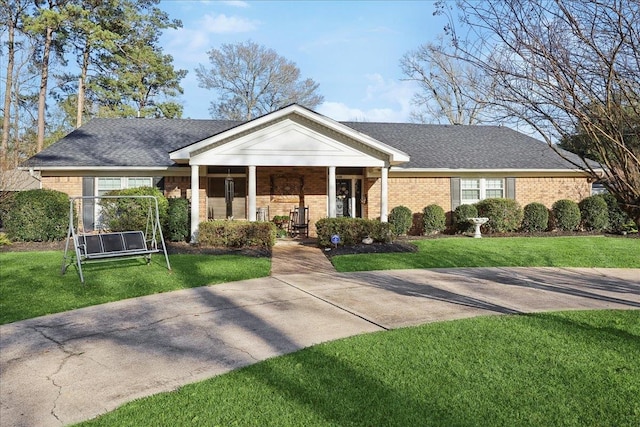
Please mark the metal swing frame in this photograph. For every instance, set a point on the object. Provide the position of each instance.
(107, 246)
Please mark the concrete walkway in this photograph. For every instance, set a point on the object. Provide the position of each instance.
(68, 367)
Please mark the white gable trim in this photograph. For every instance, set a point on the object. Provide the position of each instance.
(249, 143)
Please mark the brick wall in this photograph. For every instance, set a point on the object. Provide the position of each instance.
(549, 190)
(414, 193)
(313, 195)
(72, 185)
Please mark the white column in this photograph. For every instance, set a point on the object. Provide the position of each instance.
(195, 202)
(252, 194)
(384, 194)
(332, 192)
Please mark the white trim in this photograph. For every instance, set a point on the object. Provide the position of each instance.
(384, 194)
(395, 156)
(195, 202)
(331, 194)
(251, 184)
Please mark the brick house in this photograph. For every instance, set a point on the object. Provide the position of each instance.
(297, 157)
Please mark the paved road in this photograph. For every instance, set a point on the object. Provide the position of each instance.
(68, 367)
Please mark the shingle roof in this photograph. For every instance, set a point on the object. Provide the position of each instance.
(126, 142)
(148, 142)
(465, 147)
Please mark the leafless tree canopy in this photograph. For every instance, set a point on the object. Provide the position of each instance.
(448, 86)
(251, 80)
(564, 67)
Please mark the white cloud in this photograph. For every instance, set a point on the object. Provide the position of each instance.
(236, 3)
(223, 24)
(383, 101)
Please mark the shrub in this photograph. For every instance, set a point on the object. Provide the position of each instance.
(618, 218)
(351, 230)
(237, 234)
(132, 214)
(178, 229)
(566, 215)
(433, 219)
(536, 217)
(4, 240)
(38, 215)
(460, 215)
(594, 213)
(504, 215)
(400, 220)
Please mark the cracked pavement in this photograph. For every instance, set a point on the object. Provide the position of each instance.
(64, 368)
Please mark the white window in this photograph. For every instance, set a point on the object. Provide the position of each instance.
(107, 184)
(473, 190)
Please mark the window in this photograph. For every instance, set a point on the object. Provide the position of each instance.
(120, 183)
(106, 184)
(476, 189)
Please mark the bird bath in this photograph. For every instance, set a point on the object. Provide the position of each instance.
(478, 222)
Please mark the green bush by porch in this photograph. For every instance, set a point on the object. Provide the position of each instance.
(351, 230)
(237, 234)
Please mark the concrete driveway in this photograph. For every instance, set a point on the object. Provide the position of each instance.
(72, 366)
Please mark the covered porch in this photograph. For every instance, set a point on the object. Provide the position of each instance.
(292, 157)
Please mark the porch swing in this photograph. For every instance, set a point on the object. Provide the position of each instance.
(104, 246)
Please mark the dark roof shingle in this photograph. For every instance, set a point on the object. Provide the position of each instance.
(148, 142)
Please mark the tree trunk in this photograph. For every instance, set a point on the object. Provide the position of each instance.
(7, 96)
(81, 83)
(42, 96)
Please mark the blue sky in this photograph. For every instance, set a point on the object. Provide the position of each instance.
(351, 48)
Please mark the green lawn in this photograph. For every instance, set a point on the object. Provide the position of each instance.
(31, 284)
(552, 369)
(605, 252)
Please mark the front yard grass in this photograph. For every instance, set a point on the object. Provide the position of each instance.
(31, 284)
(603, 252)
(548, 369)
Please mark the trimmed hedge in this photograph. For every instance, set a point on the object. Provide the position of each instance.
(351, 230)
(178, 222)
(504, 215)
(132, 214)
(401, 220)
(594, 213)
(433, 219)
(536, 217)
(460, 215)
(237, 234)
(38, 216)
(566, 215)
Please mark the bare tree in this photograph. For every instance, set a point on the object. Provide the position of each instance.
(251, 80)
(10, 16)
(564, 67)
(449, 87)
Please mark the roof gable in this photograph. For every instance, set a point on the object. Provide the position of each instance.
(292, 135)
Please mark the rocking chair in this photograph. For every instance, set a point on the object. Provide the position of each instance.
(299, 222)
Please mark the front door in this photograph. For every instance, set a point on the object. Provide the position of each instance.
(348, 197)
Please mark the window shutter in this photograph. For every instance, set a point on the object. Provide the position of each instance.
(455, 193)
(158, 182)
(510, 188)
(88, 211)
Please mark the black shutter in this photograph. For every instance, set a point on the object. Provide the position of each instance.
(455, 193)
(510, 188)
(88, 211)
